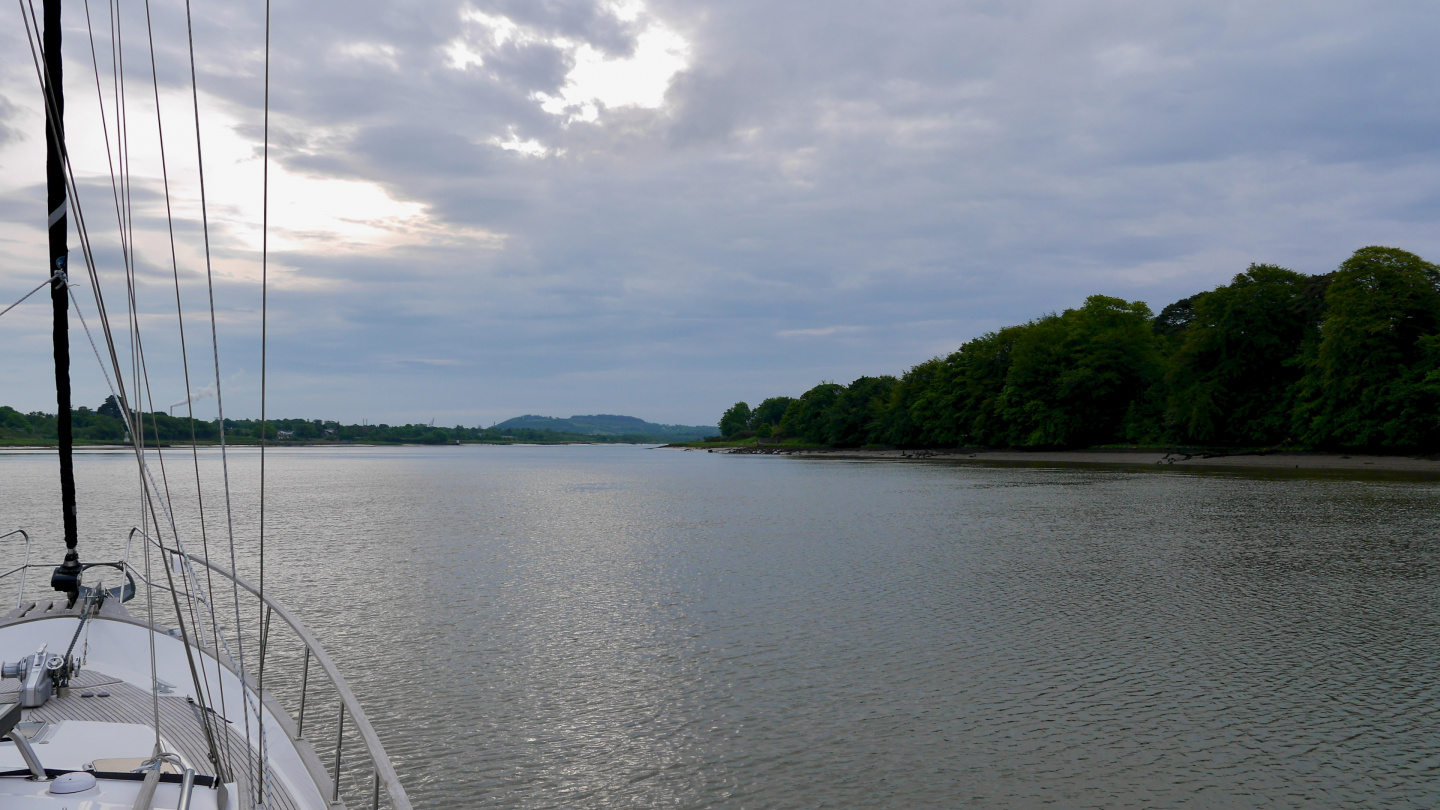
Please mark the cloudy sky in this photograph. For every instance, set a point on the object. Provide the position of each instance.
(657, 207)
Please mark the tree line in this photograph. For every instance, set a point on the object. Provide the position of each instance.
(106, 425)
(1345, 360)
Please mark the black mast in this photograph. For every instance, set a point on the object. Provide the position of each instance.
(67, 577)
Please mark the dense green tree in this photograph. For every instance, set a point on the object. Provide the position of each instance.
(855, 416)
(770, 412)
(951, 400)
(1033, 403)
(1175, 319)
(1345, 359)
(111, 408)
(1073, 377)
(1230, 379)
(735, 420)
(909, 414)
(1366, 385)
(807, 418)
(978, 375)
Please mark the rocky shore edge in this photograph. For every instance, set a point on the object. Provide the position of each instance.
(1258, 460)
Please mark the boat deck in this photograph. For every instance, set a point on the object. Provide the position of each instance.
(96, 697)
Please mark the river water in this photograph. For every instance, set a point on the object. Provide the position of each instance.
(537, 627)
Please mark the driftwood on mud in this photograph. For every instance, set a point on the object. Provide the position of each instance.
(1177, 455)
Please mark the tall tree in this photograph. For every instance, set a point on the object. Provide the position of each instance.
(1074, 376)
(807, 417)
(1366, 385)
(770, 412)
(854, 418)
(735, 420)
(917, 405)
(1231, 378)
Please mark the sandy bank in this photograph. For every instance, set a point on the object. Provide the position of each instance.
(1129, 458)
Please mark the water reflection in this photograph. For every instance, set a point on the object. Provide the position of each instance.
(619, 626)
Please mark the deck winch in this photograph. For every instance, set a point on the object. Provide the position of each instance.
(38, 673)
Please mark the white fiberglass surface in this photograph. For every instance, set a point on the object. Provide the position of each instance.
(122, 650)
(23, 794)
(70, 745)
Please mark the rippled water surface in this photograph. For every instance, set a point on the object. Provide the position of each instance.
(627, 627)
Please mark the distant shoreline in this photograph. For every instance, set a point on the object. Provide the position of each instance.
(293, 444)
(1278, 461)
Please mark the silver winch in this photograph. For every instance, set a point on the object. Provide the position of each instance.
(38, 674)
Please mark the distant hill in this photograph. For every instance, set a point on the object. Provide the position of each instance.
(604, 424)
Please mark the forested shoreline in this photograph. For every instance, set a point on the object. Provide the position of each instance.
(1348, 360)
(105, 426)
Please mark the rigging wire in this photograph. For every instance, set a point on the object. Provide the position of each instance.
(123, 215)
(86, 326)
(215, 349)
(32, 30)
(193, 592)
(126, 227)
(264, 780)
(139, 365)
(185, 364)
(82, 231)
(142, 378)
(23, 298)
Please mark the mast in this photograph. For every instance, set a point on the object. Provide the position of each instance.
(66, 577)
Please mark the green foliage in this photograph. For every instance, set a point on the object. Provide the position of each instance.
(1368, 383)
(1073, 377)
(917, 406)
(735, 420)
(807, 418)
(767, 414)
(1230, 379)
(852, 417)
(1175, 319)
(97, 427)
(1347, 359)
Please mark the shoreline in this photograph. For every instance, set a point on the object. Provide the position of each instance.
(1273, 462)
(302, 444)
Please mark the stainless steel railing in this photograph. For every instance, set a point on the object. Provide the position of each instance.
(382, 771)
(24, 567)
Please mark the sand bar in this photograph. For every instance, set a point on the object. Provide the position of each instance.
(1305, 461)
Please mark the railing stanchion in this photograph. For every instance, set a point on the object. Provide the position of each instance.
(304, 681)
(339, 746)
(25, 568)
(384, 772)
(265, 635)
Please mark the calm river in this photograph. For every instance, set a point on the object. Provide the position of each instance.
(630, 627)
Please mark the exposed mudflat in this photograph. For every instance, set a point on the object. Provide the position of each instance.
(1263, 461)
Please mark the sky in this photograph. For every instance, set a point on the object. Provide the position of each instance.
(659, 207)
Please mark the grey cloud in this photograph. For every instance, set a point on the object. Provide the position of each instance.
(922, 171)
(578, 19)
(7, 117)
